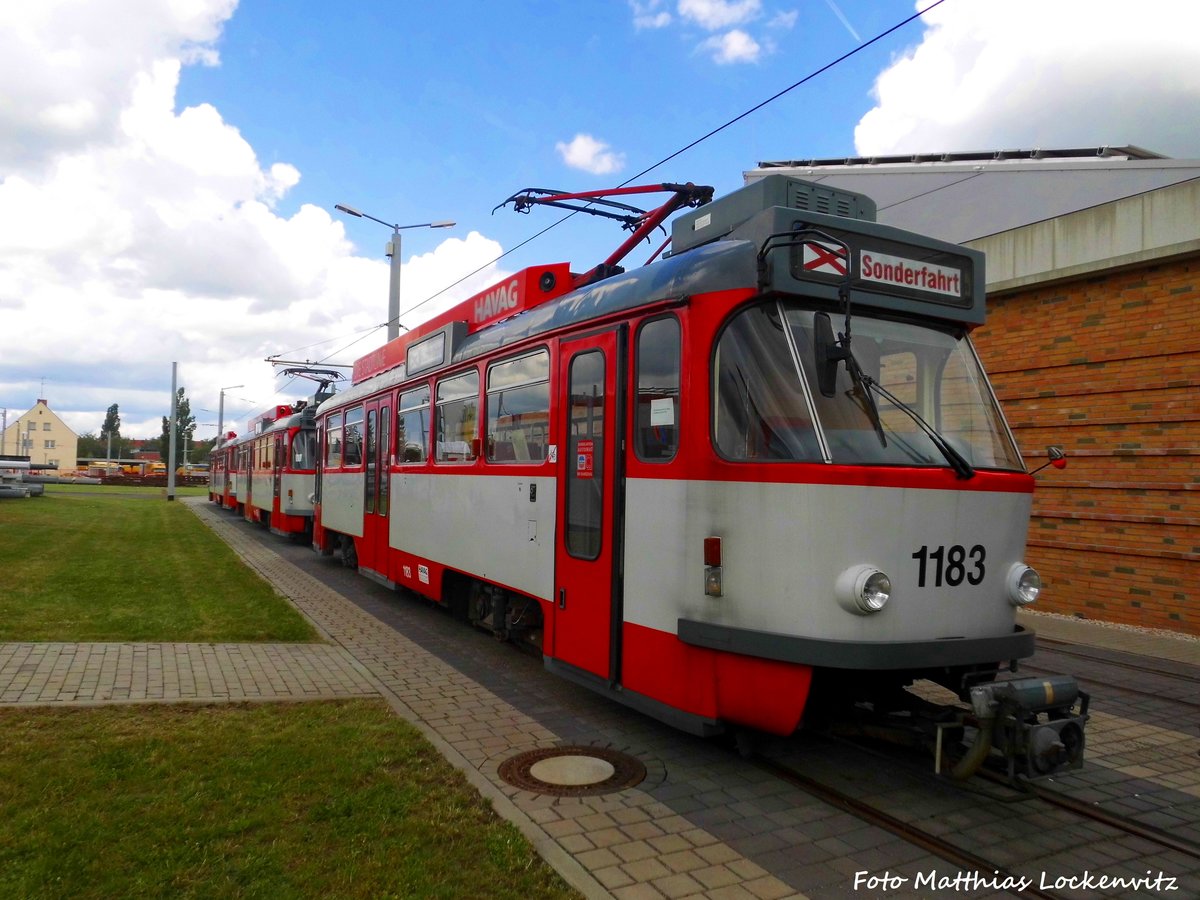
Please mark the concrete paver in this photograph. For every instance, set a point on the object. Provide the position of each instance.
(92, 673)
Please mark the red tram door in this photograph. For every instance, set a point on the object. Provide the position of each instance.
(277, 460)
(587, 550)
(373, 554)
(246, 473)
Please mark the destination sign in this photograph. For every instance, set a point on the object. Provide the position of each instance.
(900, 272)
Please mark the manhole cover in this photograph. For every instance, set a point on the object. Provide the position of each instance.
(572, 771)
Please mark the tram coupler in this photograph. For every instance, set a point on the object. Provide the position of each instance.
(1037, 724)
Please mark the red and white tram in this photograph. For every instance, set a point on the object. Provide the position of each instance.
(279, 463)
(268, 475)
(222, 478)
(768, 462)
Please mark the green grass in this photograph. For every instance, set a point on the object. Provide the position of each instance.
(289, 800)
(314, 800)
(116, 490)
(81, 565)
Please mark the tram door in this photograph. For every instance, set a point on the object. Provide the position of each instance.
(376, 459)
(247, 477)
(277, 460)
(587, 552)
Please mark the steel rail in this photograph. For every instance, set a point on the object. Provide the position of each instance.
(909, 832)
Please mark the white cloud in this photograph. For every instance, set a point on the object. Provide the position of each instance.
(995, 74)
(783, 21)
(453, 259)
(713, 15)
(649, 14)
(586, 153)
(66, 84)
(135, 234)
(733, 47)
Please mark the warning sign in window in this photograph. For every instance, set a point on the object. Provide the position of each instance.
(585, 459)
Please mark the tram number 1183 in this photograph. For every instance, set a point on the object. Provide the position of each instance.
(950, 566)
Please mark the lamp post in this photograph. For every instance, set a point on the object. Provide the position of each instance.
(392, 250)
(221, 410)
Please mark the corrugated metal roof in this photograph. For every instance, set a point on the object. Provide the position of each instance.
(961, 197)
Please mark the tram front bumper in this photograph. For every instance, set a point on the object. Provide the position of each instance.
(864, 655)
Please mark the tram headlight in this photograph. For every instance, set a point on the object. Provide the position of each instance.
(1024, 584)
(863, 590)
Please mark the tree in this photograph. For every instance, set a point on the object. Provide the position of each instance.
(111, 431)
(201, 450)
(90, 447)
(185, 427)
(112, 421)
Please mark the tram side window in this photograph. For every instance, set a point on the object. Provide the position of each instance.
(656, 437)
(354, 437)
(519, 409)
(412, 426)
(333, 441)
(458, 418)
(761, 412)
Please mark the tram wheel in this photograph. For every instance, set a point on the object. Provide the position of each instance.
(349, 554)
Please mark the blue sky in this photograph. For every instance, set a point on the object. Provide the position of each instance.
(168, 172)
(443, 113)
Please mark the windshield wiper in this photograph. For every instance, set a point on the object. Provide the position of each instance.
(829, 353)
(862, 382)
(958, 462)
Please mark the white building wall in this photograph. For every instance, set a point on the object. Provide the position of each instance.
(42, 436)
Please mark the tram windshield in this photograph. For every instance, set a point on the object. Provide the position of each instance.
(769, 408)
(304, 450)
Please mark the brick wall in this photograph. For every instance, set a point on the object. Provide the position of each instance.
(1109, 367)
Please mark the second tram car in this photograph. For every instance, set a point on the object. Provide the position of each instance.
(766, 467)
(221, 476)
(280, 463)
(268, 474)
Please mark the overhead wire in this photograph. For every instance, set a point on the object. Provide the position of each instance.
(696, 142)
(807, 78)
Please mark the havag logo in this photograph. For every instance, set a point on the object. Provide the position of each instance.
(497, 301)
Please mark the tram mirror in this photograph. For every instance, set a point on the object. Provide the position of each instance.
(827, 353)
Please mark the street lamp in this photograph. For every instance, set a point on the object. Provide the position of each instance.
(392, 250)
(221, 410)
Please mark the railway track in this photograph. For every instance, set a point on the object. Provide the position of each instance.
(989, 874)
(1096, 814)
(1065, 648)
(1179, 682)
(993, 876)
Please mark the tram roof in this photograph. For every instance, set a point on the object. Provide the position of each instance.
(962, 197)
(721, 265)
